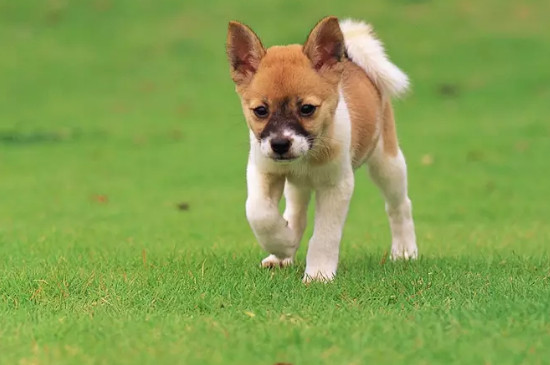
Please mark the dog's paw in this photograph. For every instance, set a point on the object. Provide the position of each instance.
(272, 261)
(404, 251)
(320, 275)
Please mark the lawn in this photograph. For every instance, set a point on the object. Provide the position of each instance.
(123, 238)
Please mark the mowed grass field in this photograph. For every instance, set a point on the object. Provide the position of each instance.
(123, 237)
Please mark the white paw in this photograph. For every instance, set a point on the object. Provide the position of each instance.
(320, 275)
(404, 251)
(272, 261)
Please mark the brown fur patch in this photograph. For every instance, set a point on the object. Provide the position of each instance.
(389, 134)
(363, 100)
(286, 71)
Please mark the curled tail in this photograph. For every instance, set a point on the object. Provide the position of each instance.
(367, 51)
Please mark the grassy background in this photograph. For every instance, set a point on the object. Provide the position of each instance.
(113, 113)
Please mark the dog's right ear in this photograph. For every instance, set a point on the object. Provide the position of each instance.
(244, 50)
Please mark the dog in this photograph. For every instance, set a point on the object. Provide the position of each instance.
(315, 113)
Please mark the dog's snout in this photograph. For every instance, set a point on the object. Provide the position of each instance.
(280, 145)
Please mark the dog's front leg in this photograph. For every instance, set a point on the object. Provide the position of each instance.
(331, 209)
(269, 227)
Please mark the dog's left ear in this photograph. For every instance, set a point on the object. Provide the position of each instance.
(244, 51)
(325, 44)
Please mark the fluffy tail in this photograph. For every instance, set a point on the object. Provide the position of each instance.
(368, 52)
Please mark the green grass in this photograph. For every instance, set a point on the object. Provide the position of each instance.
(114, 112)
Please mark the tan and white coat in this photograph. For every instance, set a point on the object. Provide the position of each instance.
(341, 72)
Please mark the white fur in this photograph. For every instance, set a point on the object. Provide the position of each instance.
(262, 212)
(390, 175)
(273, 261)
(368, 52)
(299, 146)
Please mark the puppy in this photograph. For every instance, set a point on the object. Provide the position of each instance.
(316, 113)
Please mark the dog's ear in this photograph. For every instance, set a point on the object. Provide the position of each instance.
(244, 50)
(325, 44)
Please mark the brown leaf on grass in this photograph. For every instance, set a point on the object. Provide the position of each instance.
(448, 90)
(144, 257)
(183, 206)
(176, 134)
(101, 198)
(427, 160)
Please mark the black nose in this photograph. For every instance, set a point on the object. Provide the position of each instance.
(280, 145)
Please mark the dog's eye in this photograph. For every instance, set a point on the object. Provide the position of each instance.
(261, 111)
(307, 110)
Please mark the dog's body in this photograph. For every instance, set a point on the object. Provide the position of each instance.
(317, 112)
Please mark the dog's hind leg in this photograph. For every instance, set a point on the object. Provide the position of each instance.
(296, 203)
(388, 170)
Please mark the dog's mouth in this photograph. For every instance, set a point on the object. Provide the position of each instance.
(283, 158)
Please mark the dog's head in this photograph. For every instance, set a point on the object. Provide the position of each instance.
(288, 93)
